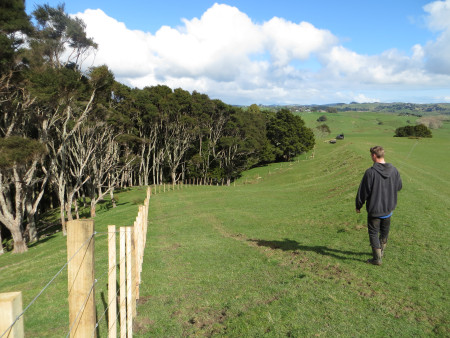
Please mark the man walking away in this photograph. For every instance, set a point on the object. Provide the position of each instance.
(378, 189)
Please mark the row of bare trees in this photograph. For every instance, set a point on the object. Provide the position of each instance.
(50, 134)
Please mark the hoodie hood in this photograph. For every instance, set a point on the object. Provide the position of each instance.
(384, 169)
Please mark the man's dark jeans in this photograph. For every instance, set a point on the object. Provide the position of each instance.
(378, 230)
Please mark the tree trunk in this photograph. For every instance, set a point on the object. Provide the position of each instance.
(111, 194)
(1, 242)
(93, 201)
(62, 204)
(183, 172)
(92, 209)
(31, 229)
(155, 181)
(75, 204)
(62, 217)
(32, 202)
(69, 206)
(19, 243)
(31, 224)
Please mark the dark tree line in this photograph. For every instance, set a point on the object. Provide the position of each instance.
(68, 135)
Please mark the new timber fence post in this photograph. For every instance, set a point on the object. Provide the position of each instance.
(129, 282)
(10, 309)
(112, 280)
(80, 271)
(123, 295)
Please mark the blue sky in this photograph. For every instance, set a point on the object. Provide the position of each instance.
(276, 52)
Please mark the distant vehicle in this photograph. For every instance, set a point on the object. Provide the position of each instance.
(340, 137)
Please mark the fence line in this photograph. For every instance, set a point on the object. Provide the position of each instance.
(132, 241)
(137, 242)
(81, 281)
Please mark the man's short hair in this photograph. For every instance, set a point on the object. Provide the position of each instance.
(378, 151)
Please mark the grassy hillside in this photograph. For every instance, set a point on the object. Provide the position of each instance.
(281, 253)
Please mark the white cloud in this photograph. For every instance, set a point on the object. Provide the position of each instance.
(437, 53)
(287, 41)
(361, 98)
(389, 68)
(217, 45)
(439, 14)
(125, 51)
(227, 55)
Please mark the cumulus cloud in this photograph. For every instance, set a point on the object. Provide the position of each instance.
(125, 51)
(390, 67)
(227, 55)
(437, 52)
(362, 98)
(287, 40)
(213, 46)
(439, 12)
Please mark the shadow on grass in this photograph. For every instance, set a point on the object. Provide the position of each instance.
(103, 205)
(48, 228)
(291, 245)
(41, 240)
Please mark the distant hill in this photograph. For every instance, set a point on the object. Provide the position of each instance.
(395, 108)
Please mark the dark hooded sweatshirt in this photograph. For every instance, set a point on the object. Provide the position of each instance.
(378, 188)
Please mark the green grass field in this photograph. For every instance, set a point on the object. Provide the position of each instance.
(281, 253)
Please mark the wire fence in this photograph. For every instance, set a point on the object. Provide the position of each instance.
(82, 284)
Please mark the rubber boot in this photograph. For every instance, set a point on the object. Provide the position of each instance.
(376, 260)
(383, 242)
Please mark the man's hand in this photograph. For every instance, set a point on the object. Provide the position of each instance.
(358, 211)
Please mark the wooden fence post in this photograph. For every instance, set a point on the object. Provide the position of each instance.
(133, 271)
(142, 221)
(144, 227)
(80, 273)
(137, 252)
(10, 309)
(129, 283)
(123, 278)
(112, 280)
